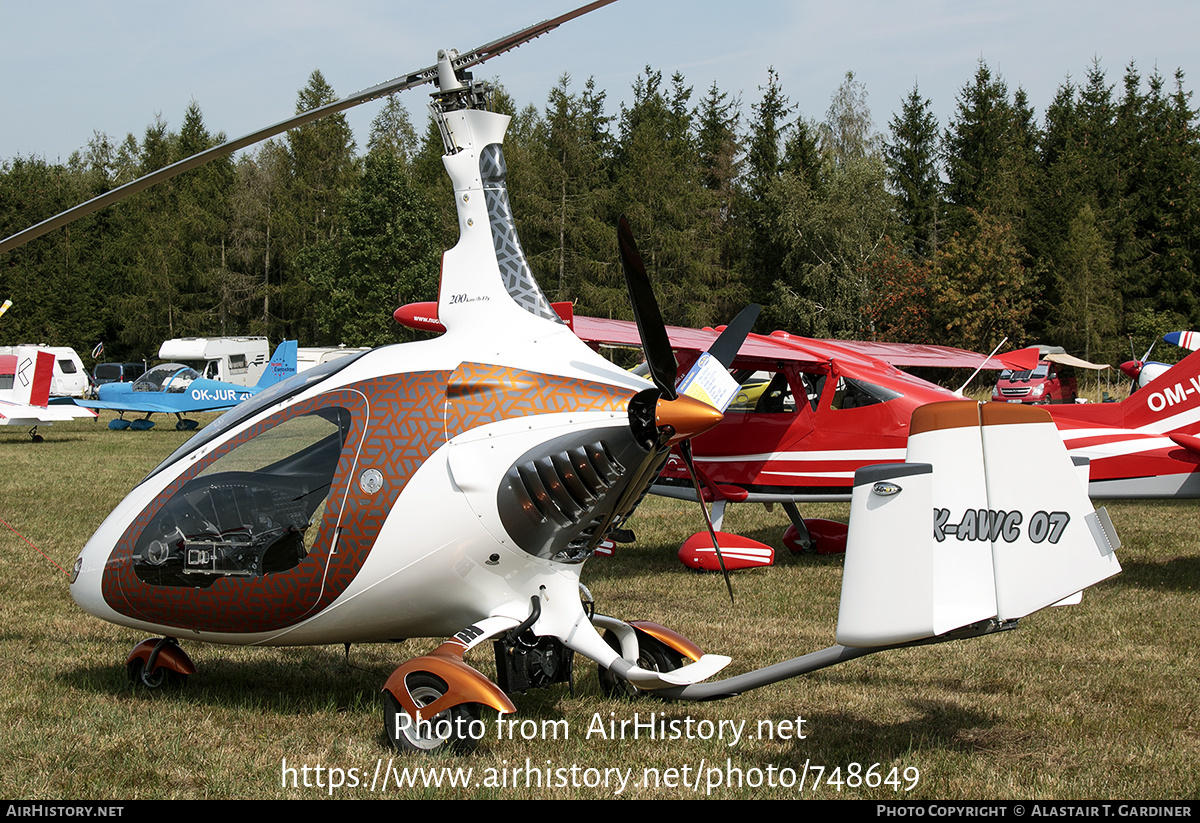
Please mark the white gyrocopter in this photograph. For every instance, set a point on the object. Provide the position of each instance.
(455, 487)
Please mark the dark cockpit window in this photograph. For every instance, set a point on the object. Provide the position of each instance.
(765, 392)
(168, 377)
(777, 397)
(855, 394)
(255, 510)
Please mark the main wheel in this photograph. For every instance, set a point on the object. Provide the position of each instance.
(652, 654)
(160, 678)
(456, 729)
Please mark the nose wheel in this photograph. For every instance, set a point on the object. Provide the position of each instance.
(456, 729)
(158, 663)
(160, 677)
(653, 655)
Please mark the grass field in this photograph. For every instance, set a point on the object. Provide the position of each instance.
(1096, 701)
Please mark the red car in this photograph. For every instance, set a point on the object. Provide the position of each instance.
(1048, 383)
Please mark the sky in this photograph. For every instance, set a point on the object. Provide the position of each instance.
(74, 67)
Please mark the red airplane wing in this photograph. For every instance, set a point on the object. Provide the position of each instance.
(781, 345)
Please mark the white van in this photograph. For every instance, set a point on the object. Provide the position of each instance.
(238, 360)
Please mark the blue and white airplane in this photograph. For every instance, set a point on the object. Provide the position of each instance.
(173, 388)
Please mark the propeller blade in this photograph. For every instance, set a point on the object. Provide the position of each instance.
(655, 342)
(685, 448)
(661, 360)
(730, 340)
(1146, 356)
(407, 81)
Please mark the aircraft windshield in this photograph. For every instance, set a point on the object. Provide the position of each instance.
(1042, 370)
(256, 510)
(172, 377)
(855, 394)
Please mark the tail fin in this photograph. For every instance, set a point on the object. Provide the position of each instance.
(35, 371)
(1170, 403)
(1007, 538)
(282, 365)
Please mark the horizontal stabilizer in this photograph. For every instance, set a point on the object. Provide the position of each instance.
(1189, 340)
(1189, 442)
(988, 519)
(1021, 359)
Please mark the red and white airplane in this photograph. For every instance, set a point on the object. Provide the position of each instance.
(25, 379)
(831, 407)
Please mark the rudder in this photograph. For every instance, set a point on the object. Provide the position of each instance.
(282, 365)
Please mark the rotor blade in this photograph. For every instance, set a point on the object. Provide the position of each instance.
(408, 81)
(730, 340)
(685, 448)
(486, 52)
(655, 342)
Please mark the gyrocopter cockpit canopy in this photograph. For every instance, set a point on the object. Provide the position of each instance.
(259, 507)
(255, 510)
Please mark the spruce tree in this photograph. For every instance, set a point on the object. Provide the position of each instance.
(913, 172)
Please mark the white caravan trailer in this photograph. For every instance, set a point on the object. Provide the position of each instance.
(70, 377)
(310, 356)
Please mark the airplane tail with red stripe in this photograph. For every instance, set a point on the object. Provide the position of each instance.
(1171, 403)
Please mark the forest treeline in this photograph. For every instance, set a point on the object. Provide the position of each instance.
(1078, 229)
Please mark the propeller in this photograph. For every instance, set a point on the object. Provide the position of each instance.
(651, 329)
(1133, 368)
(685, 448)
(724, 349)
(445, 73)
(726, 346)
(674, 415)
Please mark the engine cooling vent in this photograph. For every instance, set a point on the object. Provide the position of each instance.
(554, 497)
(564, 487)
